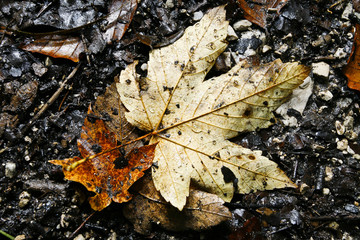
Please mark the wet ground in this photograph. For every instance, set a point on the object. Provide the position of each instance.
(319, 149)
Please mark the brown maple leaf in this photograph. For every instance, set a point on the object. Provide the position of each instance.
(110, 174)
(352, 69)
(257, 11)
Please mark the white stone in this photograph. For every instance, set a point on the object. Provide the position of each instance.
(10, 169)
(144, 67)
(39, 69)
(326, 95)
(347, 11)
(282, 49)
(24, 199)
(321, 69)
(231, 36)
(326, 191)
(79, 237)
(340, 53)
(340, 128)
(169, 4)
(342, 145)
(198, 15)
(328, 174)
(350, 151)
(298, 102)
(304, 188)
(242, 25)
(266, 48)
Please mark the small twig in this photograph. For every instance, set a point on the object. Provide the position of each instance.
(44, 8)
(336, 218)
(7, 235)
(81, 225)
(51, 100)
(334, 5)
(63, 100)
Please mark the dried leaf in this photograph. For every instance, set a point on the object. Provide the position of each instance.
(120, 10)
(202, 210)
(250, 230)
(190, 119)
(257, 11)
(57, 46)
(352, 69)
(110, 108)
(109, 175)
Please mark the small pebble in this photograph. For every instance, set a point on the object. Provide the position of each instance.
(10, 169)
(342, 145)
(266, 48)
(347, 11)
(328, 174)
(169, 4)
(20, 237)
(326, 95)
(242, 25)
(340, 53)
(79, 237)
(231, 36)
(326, 191)
(144, 67)
(39, 69)
(321, 69)
(198, 15)
(340, 128)
(282, 49)
(24, 199)
(351, 208)
(304, 188)
(334, 225)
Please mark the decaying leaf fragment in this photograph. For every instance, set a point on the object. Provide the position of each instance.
(109, 107)
(352, 69)
(56, 46)
(120, 10)
(257, 11)
(190, 119)
(202, 210)
(109, 175)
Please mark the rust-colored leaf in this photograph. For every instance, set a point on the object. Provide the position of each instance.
(256, 11)
(250, 230)
(202, 210)
(352, 69)
(57, 46)
(120, 15)
(109, 175)
(110, 108)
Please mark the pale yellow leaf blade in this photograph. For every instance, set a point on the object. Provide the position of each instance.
(192, 55)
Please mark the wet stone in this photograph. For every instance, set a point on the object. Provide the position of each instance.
(39, 69)
(352, 208)
(24, 199)
(326, 95)
(321, 69)
(340, 128)
(10, 169)
(198, 15)
(342, 145)
(242, 25)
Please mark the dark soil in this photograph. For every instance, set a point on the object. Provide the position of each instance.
(327, 207)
